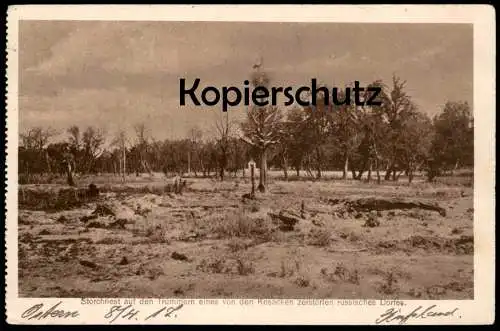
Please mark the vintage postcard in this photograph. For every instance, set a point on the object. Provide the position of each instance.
(250, 165)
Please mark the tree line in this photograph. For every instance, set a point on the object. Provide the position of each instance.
(377, 142)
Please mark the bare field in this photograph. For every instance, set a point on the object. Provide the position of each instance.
(301, 239)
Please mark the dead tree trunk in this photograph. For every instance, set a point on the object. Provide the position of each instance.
(262, 172)
(369, 177)
(69, 174)
(378, 171)
(346, 167)
(47, 159)
(410, 176)
(285, 167)
(124, 165)
(389, 171)
(221, 174)
(318, 163)
(252, 175)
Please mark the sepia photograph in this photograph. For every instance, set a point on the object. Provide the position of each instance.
(261, 160)
(123, 192)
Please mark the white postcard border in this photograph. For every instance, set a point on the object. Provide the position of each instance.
(477, 311)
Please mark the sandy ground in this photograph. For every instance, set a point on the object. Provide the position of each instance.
(208, 242)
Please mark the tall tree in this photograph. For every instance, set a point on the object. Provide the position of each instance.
(397, 104)
(120, 141)
(453, 142)
(319, 126)
(414, 144)
(195, 136)
(294, 140)
(32, 149)
(92, 141)
(346, 134)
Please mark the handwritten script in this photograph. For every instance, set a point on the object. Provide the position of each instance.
(39, 312)
(129, 313)
(396, 315)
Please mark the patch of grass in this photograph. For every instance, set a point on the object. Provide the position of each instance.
(319, 237)
(252, 208)
(155, 232)
(237, 244)
(342, 273)
(371, 221)
(240, 225)
(244, 267)
(216, 266)
(110, 241)
(41, 179)
(302, 281)
(289, 268)
(389, 286)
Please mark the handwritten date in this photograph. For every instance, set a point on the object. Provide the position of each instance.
(129, 313)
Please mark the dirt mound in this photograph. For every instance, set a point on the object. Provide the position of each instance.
(113, 209)
(377, 204)
(47, 199)
(110, 215)
(459, 246)
(143, 203)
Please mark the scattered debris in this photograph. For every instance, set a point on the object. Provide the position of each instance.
(123, 261)
(317, 222)
(389, 286)
(247, 196)
(104, 210)
(341, 273)
(302, 281)
(378, 205)
(371, 222)
(435, 291)
(55, 199)
(142, 211)
(107, 223)
(318, 237)
(416, 292)
(369, 204)
(288, 219)
(88, 264)
(62, 219)
(93, 191)
(179, 256)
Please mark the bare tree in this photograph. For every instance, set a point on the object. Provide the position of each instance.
(121, 142)
(262, 127)
(195, 137)
(34, 141)
(223, 131)
(92, 141)
(142, 146)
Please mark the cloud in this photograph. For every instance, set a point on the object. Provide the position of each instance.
(116, 74)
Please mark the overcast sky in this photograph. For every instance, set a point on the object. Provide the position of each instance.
(116, 74)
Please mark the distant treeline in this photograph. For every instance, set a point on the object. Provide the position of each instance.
(394, 138)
